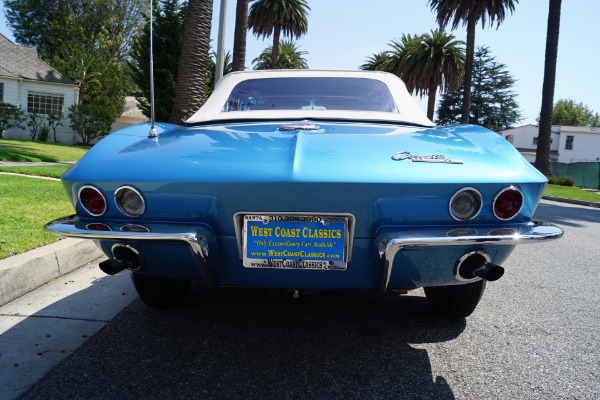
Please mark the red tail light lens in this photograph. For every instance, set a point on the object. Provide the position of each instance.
(508, 203)
(92, 200)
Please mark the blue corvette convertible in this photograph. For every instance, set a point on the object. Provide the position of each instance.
(307, 180)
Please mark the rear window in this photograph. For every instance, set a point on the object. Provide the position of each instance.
(347, 94)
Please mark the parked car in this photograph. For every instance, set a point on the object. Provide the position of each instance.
(307, 180)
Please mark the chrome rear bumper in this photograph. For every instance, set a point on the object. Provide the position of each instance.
(197, 241)
(392, 240)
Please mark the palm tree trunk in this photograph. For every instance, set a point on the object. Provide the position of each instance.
(191, 75)
(470, 51)
(239, 37)
(275, 48)
(542, 155)
(431, 99)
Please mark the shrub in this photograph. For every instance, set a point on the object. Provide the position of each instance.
(54, 121)
(90, 121)
(44, 133)
(11, 116)
(562, 180)
(34, 122)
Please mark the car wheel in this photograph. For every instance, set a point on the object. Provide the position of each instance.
(455, 301)
(160, 292)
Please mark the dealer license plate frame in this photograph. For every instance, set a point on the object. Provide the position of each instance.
(309, 220)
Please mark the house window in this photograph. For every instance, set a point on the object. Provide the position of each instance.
(1, 91)
(569, 143)
(510, 138)
(45, 103)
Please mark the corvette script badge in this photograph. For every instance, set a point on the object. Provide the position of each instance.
(434, 158)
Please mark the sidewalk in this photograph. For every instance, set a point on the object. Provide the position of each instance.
(25, 272)
(42, 328)
(29, 163)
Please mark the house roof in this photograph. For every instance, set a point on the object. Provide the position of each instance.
(22, 62)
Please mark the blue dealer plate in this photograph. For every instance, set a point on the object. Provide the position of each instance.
(295, 241)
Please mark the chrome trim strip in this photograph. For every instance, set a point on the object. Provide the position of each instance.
(498, 195)
(197, 243)
(392, 240)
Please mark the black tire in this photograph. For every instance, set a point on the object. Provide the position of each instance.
(455, 301)
(159, 292)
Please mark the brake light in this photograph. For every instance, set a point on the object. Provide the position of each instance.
(92, 200)
(508, 203)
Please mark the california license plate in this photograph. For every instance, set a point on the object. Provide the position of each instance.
(310, 242)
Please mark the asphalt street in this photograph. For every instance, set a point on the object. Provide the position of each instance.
(534, 336)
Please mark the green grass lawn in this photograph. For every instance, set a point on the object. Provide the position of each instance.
(20, 150)
(52, 171)
(571, 192)
(26, 204)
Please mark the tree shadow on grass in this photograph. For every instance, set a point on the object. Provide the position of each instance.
(15, 152)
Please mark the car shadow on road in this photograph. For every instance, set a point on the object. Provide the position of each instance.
(564, 214)
(255, 343)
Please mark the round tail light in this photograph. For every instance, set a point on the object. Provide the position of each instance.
(92, 200)
(465, 204)
(130, 201)
(508, 203)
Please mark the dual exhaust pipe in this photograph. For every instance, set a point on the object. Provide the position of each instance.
(124, 257)
(477, 265)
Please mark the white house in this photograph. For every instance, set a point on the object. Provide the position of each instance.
(579, 144)
(569, 144)
(28, 82)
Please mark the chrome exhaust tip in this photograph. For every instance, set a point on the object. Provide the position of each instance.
(124, 256)
(476, 264)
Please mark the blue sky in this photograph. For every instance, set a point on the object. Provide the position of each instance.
(343, 33)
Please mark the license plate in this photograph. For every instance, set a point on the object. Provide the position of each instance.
(309, 242)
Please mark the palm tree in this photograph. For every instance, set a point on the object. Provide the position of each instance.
(375, 62)
(428, 62)
(289, 57)
(396, 58)
(239, 36)
(542, 154)
(470, 12)
(193, 61)
(271, 17)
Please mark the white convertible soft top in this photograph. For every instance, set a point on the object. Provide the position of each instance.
(408, 111)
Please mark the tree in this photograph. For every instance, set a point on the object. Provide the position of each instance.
(542, 154)
(90, 121)
(569, 113)
(470, 12)
(212, 71)
(54, 121)
(375, 62)
(34, 122)
(85, 40)
(428, 62)
(168, 31)
(289, 57)
(239, 36)
(271, 17)
(193, 62)
(11, 116)
(493, 102)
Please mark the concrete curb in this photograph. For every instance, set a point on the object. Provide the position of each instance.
(25, 272)
(573, 201)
